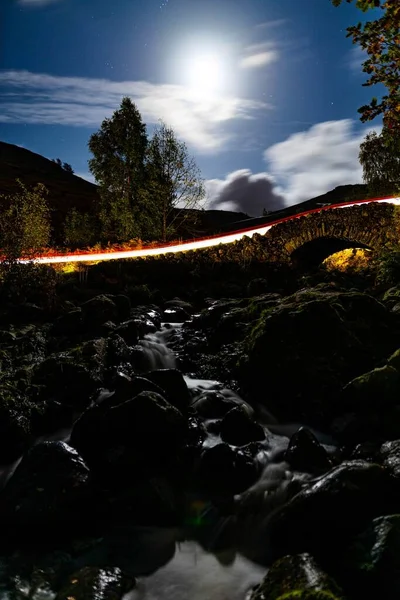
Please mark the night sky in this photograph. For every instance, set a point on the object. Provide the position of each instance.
(264, 92)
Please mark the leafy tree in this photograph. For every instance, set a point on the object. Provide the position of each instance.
(58, 162)
(24, 223)
(380, 163)
(381, 40)
(24, 233)
(119, 151)
(67, 167)
(80, 229)
(174, 180)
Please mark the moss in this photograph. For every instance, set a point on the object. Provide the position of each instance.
(309, 595)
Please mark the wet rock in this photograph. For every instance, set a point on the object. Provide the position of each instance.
(117, 350)
(174, 387)
(149, 316)
(93, 583)
(212, 404)
(371, 565)
(50, 487)
(305, 453)
(177, 303)
(130, 331)
(297, 577)
(27, 312)
(175, 314)
(226, 471)
(97, 311)
(390, 455)
(142, 432)
(238, 428)
(337, 504)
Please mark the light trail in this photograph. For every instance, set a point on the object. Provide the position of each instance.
(208, 242)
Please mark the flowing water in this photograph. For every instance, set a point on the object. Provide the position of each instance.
(221, 560)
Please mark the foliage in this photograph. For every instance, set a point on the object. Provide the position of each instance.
(380, 163)
(24, 233)
(80, 229)
(173, 178)
(24, 223)
(65, 166)
(381, 40)
(119, 150)
(388, 267)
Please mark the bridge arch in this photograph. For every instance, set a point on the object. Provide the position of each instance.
(311, 254)
(309, 239)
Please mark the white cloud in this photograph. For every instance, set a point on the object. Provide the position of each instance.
(46, 99)
(259, 55)
(244, 191)
(86, 176)
(357, 56)
(317, 160)
(307, 164)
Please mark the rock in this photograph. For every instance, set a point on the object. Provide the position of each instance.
(239, 429)
(376, 390)
(15, 424)
(357, 331)
(305, 453)
(177, 303)
(117, 350)
(130, 331)
(50, 487)
(68, 324)
(143, 432)
(297, 578)
(226, 471)
(371, 565)
(97, 311)
(390, 455)
(320, 518)
(174, 387)
(212, 404)
(93, 583)
(27, 312)
(123, 305)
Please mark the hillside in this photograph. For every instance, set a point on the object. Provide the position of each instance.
(67, 191)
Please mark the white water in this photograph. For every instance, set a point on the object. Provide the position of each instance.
(194, 574)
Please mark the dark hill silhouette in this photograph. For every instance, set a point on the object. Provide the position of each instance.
(67, 190)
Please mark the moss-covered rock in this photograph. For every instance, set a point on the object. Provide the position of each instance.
(303, 351)
(373, 560)
(297, 578)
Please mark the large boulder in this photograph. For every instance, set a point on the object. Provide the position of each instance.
(143, 432)
(174, 387)
(238, 428)
(49, 488)
(306, 454)
(297, 577)
(97, 311)
(304, 351)
(332, 508)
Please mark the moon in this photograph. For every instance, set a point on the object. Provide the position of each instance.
(206, 74)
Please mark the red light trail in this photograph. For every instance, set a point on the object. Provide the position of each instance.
(198, 244)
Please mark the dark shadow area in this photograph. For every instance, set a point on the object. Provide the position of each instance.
(311, 254)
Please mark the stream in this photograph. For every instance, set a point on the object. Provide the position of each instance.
(219, 558)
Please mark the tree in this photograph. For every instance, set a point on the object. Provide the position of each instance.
(381, 40)
(119, 151)
(67, 167)
(24, 223)
(80, 229)
(58, 162)
(173, 180)
(381, 164)
(24, 233)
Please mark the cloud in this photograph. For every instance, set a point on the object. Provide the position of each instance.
(86, 176)
(356, 57)
(273, 23)
(317, 160)
(244, 191)
(305, 165)
(259, 55)
(38, 98)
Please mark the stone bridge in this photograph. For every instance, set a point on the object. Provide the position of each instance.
(309, 239)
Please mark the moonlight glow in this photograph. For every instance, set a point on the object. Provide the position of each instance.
(206, 74)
